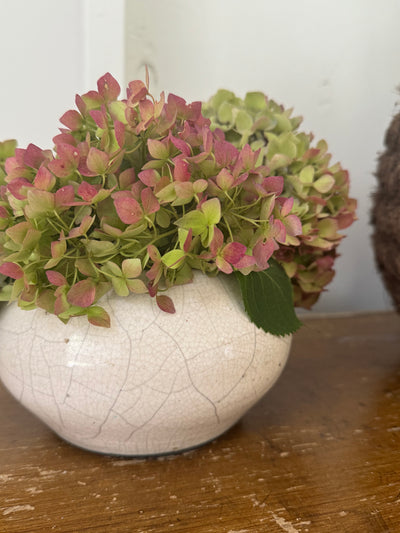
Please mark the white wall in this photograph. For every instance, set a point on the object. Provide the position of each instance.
(50, 51)
(336, 62)
(41, 67)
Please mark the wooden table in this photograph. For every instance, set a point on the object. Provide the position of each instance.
(320, 453)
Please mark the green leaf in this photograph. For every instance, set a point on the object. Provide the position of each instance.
(284, 123)
(306, 175)
(268, 300)
(244, 122)
(157, 149)
(284, 144)
(18, 232)
(117, 110)
(100, 249)
(255, 101)
(98, 316)
(100, 196)
(5, 293)
(221, 96)
(287, 146)
(131, 268)
(194, 220)
(167, 194)
(17, 288)
(173, 258)
(324, 184)
(112, 268)
(162, 218)
(120, 286)
(212, 211)
(73, 310)
(39, 203)
(97, 161)
(225, 112)
(7, 149)
(136, 285)
(182, 236)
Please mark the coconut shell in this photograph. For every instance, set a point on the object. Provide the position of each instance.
(386, 212)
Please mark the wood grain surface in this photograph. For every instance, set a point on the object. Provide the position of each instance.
(320, 453)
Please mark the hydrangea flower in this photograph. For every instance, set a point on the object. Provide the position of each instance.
(136, 193)
(318, 192)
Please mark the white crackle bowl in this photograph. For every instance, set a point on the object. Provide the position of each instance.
(153, 383)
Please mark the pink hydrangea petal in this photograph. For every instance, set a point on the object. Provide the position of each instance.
(279, 231)
(44, 179)
(100, 117)
(137, 91)
(287, 206)
(33, 156)
(181, 170)
(233, 252)
(188, 241)
(217, 241)
(149, 201)
(65, 195)
(149, 177)
(262, 252)
(15, 187)
(181, 145)
(293, 225)
(82, 293)
(11, 270)
(128, 209)
(246, 262)
(72, 119)
(108, 87)
(56, 278)
(273, 184)
(119, 129)
(224, 153)
(223, 265)
(87, 191)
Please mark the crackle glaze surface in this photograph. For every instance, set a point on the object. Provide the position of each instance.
(154, 382)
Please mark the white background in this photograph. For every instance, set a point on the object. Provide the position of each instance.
(337, 63)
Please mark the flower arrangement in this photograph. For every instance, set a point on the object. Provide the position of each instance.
(320, 191)
(138, 192)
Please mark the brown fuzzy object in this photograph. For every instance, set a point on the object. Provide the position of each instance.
(386, 212)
